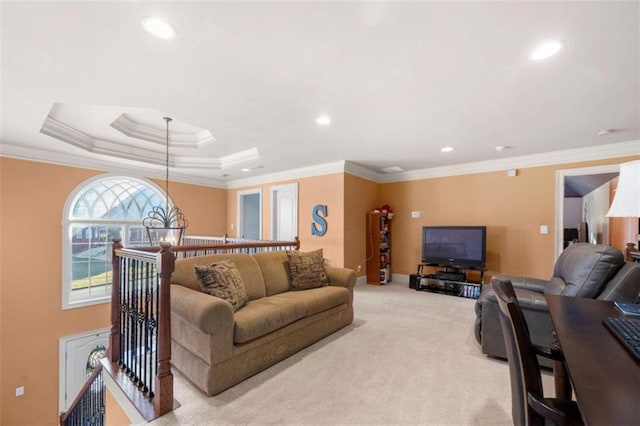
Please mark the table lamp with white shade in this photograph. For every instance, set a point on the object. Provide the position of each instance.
(626, 201)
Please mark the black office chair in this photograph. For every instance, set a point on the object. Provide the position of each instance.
(528, 405)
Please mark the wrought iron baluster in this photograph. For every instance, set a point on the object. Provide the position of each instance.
(134, 324)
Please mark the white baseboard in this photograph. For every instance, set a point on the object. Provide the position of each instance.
(400, 278)
(396, 278)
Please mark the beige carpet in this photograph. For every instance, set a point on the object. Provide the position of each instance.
(409, 358)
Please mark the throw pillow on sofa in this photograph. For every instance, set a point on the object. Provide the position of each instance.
(307, 269)
(222, 279)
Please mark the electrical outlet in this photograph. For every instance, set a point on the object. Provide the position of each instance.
(359, 268)
(20, 391)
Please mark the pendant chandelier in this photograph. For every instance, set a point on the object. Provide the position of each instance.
(165, 224)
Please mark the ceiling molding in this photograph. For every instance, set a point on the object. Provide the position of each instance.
(246, 158)
(363, 172)
(615, 150)
(58, 130)
(600, 152)
(103, 164)
(299, 173)
(128, 126)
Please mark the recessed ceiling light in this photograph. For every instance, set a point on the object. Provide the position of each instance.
(446, 149)
(545, 50)
(323, 120)
(245, 169)
(159, 28)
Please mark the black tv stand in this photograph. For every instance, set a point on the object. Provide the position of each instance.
(455, 280)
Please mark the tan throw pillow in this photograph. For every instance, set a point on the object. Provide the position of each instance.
(222, 279)
(307, 270)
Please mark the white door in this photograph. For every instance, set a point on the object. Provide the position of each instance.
(284, 212)
(78, 354)
(250, 214)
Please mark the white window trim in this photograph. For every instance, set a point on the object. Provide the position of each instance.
(66, 235)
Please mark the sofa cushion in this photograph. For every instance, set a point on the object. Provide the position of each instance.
(307, 269)
(320, 299)
(246, 264)
(275, 271)
(222, 279)
(585, 269)
(262, 316)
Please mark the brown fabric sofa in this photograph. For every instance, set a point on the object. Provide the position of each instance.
(216, 348)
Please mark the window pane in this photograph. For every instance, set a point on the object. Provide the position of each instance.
(91, 260)
(116, 198)
(138, 236)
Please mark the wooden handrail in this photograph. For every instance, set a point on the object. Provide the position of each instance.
(258, 244)
(64, 416)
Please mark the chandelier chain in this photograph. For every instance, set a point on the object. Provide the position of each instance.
(166, 178)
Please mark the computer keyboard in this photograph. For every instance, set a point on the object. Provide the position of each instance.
(627, 330)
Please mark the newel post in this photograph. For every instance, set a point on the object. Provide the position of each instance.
(113, 352)
(163, 398)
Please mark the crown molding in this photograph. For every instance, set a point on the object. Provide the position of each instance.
(363, 172)
(58, 130)
(599, 152)
(128, 126)
(299, 173)
(103, 164)
(615, 150)
(249, 157)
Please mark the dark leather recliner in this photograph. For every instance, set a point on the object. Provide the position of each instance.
(582, 270)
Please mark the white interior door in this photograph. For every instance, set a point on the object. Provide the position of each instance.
(284, 212)
(250, 214)
(77, 352)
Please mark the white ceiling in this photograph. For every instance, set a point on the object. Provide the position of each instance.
(400, 80)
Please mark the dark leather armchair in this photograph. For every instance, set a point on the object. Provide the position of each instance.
(582, 270)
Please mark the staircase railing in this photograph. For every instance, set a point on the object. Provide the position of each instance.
(88, 409)
(140, 340)
(201, 246)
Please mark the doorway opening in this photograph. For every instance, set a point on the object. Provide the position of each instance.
(582, 201)
(250, 214)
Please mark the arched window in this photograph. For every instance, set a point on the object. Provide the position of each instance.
(97, 211)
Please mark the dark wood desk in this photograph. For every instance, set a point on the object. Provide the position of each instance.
(605, 378)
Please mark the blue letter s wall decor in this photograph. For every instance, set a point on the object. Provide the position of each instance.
(319, 225)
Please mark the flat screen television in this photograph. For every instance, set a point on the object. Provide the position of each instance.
(463, 246)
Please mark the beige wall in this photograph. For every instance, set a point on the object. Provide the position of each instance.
(32, 200)
(326, 190)
(360, 196)
(512, 208)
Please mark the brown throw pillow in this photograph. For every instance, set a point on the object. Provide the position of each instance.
(307, 270)
(222, 279)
